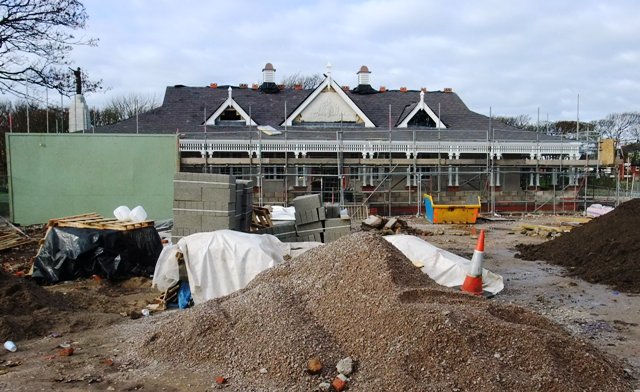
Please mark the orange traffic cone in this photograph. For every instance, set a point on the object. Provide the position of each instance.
(473, 281)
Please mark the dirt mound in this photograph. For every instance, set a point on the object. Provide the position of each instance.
(26, 309)
(605, 250)
(360, 297)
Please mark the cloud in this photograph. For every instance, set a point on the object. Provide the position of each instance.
(513, 57)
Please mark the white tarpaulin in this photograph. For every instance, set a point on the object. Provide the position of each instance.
(595, 210)
(220, 262)
(446, 268)
(223, 261)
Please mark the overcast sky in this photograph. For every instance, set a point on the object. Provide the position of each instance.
(511, 56)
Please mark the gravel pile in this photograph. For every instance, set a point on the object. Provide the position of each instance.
(359, 297)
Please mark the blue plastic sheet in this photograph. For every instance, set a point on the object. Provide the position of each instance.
(184, 295)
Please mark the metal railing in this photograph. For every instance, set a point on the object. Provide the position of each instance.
(452, 149)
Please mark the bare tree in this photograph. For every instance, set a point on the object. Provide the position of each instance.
(619, 126)
(307, 82)
(127, 106)
(35, 41)
(519, 121)
(570, 128)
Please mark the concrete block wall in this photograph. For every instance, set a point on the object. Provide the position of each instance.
(310, 232)
(318, 222)
(332, 211)
(285, 231)
(244, 203)
(335, 228)
(309, 209)
(207, 202)
(314, 222)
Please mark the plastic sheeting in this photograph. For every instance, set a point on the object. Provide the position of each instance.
(279, 213)
(446, 268)
(219, 262)
(596, 210)
(69, 253)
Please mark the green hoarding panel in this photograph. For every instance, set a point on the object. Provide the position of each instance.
(56, 175)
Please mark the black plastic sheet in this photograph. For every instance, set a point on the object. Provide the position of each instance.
(70, 253)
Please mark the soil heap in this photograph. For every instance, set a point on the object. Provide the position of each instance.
(604, 250)
(360, 297)
(26, 309)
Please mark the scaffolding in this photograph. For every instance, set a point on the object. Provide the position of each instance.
(389, 174)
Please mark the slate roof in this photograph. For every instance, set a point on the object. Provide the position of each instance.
(183, 111)
(377, 135)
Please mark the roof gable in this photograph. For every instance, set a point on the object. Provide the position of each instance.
(328, 103)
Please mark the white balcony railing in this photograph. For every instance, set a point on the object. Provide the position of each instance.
(368, 149)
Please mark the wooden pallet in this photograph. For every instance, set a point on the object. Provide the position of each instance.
(169, 295)
(261, 218)
(96, 221)
(11, 236)
(10, 239)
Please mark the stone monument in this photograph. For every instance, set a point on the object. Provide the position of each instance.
(78, 110)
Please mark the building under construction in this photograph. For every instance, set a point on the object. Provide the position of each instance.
(372, 147)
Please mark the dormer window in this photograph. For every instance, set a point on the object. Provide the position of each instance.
(421, 116)
(230, 114)
(421, 119)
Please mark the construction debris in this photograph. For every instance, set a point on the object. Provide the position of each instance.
(314, 365)
(345, 366)
(391, 226)
(11, 236)
(544, 231)
(168, 296)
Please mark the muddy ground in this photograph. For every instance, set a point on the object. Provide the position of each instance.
(95, 318)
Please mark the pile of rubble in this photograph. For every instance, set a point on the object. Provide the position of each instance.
(294, 326)
(389, 226)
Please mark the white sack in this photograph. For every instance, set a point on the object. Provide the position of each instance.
(221, 262)
(279, 213)
(446, 268)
